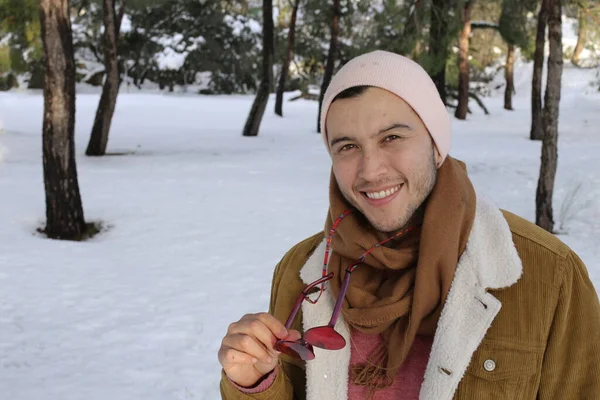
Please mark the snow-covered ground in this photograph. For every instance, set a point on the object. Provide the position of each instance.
(197, 217)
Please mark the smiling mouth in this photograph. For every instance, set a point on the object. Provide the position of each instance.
(382, 194)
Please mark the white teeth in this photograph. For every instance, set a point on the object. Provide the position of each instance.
(382, 194)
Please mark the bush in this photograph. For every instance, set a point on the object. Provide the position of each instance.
(8, 81)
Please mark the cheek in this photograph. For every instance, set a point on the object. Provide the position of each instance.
(404, 166)
(411, 162)
(345, 176)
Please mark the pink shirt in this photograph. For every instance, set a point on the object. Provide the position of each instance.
(407, 383)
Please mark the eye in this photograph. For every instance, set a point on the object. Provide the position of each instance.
(391, 138)
(346, 147)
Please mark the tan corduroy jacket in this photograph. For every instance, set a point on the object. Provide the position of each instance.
(521, 321)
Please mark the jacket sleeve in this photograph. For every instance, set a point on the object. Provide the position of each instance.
(289, 383)
(571, 364)
(281, 389)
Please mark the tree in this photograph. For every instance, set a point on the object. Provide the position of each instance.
(536, 82)
(334, 29)
(509, 75)
(485, 39)
(215, 44)
(289, 55)
(445, 24)
(262, 95)
(411, 34)
(581, 36)
(463, 62)
(514, 29)
(438, 44)
(110, 90)
(545, 189)
(64, 211)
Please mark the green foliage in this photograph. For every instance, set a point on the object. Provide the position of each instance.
(217, 43)
(452, 71)
(485, 43)
(5, 62)
(210, 40)
(8, 81)
(20, 29)
(516, 27)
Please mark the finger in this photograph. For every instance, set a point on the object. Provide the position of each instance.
(274, 325)
(229, 356)
(256, 328)
(249, 345)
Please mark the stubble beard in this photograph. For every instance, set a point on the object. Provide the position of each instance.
(423, 184)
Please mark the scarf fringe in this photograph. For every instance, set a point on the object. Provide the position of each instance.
(373, 374)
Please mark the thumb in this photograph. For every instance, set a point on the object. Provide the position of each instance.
(293, 335)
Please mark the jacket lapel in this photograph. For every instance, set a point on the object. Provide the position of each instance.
(490, 260)
(327, 374)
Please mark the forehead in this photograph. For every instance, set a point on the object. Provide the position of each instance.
(372, 109)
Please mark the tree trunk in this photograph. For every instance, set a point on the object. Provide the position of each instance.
(64, 211)
(289, 55)
(545, 189)
(581, 37)
(262, 95)
(509, 74)
(110, 90)
(438, 45)
(536, 83)
(463, 62)
(411, 35)
(331, 57)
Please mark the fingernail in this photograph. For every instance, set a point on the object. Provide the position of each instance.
(269, 360)
(254, 361)
(284, 332)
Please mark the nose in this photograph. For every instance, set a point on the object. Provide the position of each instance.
(373, 166)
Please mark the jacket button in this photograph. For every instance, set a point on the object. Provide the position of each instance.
(489, 365)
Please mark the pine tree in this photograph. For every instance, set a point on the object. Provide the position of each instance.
(110, 91)
(64, 210)
(262, 96)
(545, 190)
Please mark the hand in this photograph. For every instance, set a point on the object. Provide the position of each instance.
(247, 353)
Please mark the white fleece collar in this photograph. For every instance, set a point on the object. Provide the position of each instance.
(490, 260)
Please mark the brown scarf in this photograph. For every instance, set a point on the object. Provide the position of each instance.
(399, 291)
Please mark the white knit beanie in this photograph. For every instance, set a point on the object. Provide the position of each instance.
(401, 76)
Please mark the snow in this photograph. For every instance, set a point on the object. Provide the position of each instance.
(238, 24)
(126, 25)
(196, 218)
(5, 39)
(176, 50)
(1, 132)
(170, 59)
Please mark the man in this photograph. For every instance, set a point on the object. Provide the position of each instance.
(442, 295)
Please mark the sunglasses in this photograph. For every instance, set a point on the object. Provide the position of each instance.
(324, 337)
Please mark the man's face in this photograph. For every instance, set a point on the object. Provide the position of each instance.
(384, 160)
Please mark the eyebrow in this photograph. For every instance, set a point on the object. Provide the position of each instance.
(384, 130)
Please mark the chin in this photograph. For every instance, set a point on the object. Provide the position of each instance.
(386, 226)
(391, 220)
(383, 223)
